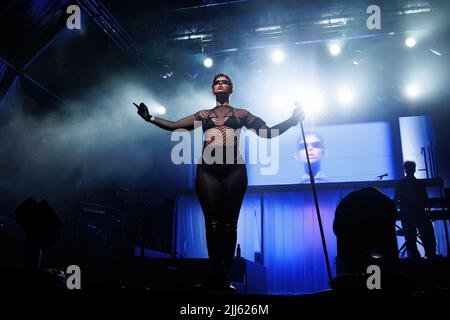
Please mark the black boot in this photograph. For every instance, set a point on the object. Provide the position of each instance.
(219, 279)
(230, 239)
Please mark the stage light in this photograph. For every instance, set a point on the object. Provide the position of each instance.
(208, 62)
(357, 57)
(412, 91)
(278, 56)
(345, 95)
(279, 102)
(161, 110)
(410, 42)
(166, 72)
(335, 49)
(167, 75)
(312, 101)
(436, 52)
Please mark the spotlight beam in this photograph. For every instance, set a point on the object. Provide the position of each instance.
(208, 62)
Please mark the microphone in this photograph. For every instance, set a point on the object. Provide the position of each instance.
(380, 177)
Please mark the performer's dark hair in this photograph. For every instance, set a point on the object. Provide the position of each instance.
(409, 166)
(222, 75)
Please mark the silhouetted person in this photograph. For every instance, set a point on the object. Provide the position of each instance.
(411, 195)
(221, 185)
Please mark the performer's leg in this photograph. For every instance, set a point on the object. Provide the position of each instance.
(210, 195)
(426, 232)
(235, 185)
(410, 232)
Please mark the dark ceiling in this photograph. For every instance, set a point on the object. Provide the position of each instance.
(152, 37)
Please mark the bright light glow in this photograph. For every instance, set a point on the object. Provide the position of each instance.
(279, 102)
(278, 56)
(410, 42)
(420, 10)
(412, 91)
(436, 52)
(312, 101)
(335, 49)
(268, 28)
(208, 62)
(161, 110)
(288, 90)
(345, 95)
(167, 75)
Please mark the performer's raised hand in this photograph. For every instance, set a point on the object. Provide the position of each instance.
(298, 114)
(143, 111)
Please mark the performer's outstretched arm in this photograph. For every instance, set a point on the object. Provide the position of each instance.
(186, 123)
(265, 131)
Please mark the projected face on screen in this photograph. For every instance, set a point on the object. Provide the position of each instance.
(338, 153)
(315, 147)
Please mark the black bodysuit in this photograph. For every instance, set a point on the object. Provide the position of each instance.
(221, 186)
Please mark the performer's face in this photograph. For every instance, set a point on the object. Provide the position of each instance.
(221, 85)
(315, 149)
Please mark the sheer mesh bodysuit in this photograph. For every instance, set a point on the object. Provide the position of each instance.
(221, 186)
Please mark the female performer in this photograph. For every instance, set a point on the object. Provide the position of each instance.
(221, 179)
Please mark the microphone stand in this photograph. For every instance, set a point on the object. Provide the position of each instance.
(316, 202)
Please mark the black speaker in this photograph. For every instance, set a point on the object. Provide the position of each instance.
(41, 226)
(39, 220)
(364, 226)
